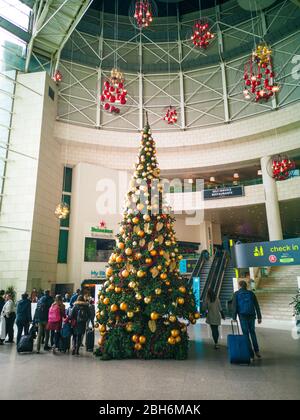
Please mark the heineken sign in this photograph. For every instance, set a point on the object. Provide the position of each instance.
(263, 254)
(100, 230)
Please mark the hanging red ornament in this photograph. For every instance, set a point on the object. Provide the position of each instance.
(171, 115)
(57, 77)
(259, 77)
(202, 34)
(143, 14)
(282, 167)
(114, 92)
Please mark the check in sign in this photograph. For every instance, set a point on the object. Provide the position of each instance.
(263, 254)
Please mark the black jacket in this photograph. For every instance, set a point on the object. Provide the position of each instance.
(42, 309)
(235, 309)
(80, 326)
(23, 313)
(2, 303)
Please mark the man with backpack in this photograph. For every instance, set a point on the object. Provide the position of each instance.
(41, 318)
(245, 305)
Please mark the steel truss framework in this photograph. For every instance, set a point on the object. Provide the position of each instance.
(204, 95)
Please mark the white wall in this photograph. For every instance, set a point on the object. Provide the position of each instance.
(28, 251)
(86, 212)
(206, 148)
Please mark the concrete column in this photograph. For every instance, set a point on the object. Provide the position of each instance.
(271, 200)
(206, 236)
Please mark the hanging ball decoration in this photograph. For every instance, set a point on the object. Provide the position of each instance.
(282, 167)
(171, 116)
(114, 92)
(202, 35)
(62, 211)
(143, 14)
(259, 76)
(57, 77)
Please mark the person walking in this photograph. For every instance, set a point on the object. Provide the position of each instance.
(79, 317)
(2, 319)
(41, 319)
(55, 317)
(246, 307)
(214, 314)
(9, 313)
(23, 316)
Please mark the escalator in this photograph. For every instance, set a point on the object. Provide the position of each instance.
(216, 276)
(204, 256)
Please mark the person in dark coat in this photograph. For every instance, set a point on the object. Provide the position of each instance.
(79, 317)
(23, 316)
(245, 305)
(41, 319)
(74, 297)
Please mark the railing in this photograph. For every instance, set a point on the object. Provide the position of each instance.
(246, 183)
(204, 256)
(211, 276)
(221, 273)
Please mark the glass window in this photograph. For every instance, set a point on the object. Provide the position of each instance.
(16, 12)
(63, 247)
(67, 182)
(98, 250)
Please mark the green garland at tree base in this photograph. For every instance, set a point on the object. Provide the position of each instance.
(118, 345)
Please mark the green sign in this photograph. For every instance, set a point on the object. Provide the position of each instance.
(100, 230)
(263, 254)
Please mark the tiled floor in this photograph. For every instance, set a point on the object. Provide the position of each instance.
(207, 374)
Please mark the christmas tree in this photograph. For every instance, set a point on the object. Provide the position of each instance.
(145, 302)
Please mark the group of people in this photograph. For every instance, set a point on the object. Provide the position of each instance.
(245, 306)
(51, 318)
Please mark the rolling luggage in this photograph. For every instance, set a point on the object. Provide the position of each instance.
(90, 339)
(238, 348)
(25, 345)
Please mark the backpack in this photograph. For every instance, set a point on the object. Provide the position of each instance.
(42, 310)
(82, 315)
(245, 304)
(54, 314)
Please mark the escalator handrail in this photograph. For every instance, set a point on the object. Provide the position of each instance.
(210, 277)
(199, 265)
(221, 273)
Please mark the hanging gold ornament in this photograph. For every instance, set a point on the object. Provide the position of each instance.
(62, 211)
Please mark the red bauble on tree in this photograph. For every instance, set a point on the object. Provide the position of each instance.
(282, 167)
(259, 76)
(202, 34)
(171, 115)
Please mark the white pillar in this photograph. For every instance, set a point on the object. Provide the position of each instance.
(271, 200)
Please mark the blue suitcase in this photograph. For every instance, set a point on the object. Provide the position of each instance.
(238, 348)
